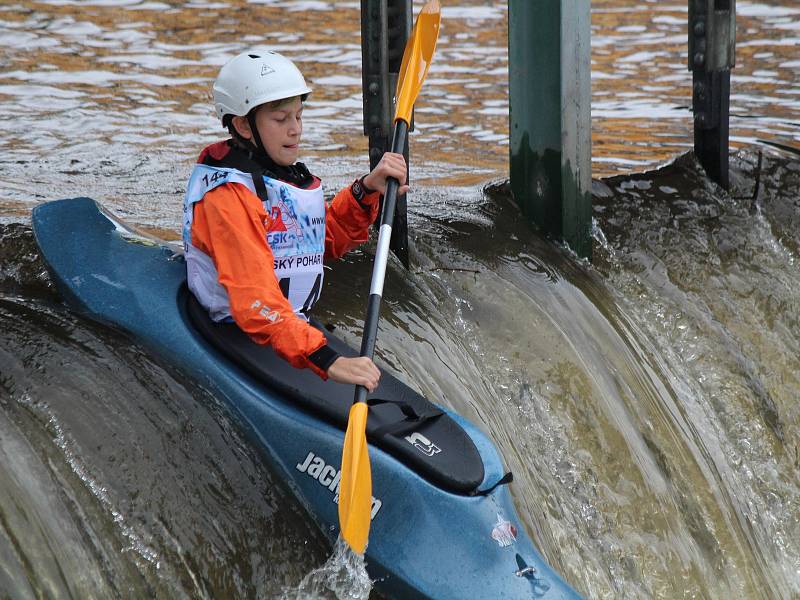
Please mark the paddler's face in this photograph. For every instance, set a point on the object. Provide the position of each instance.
(280, 130)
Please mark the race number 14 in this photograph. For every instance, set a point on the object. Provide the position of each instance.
(313, 295)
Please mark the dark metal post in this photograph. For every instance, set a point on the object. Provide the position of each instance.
(385, 27)
(712, 41)
(550, 116)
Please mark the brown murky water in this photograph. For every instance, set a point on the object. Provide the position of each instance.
(647, 404)
(129, 81)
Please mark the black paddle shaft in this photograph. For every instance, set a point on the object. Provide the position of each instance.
(379, 268)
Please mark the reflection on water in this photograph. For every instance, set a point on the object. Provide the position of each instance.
(646, 404)
(120, 89)
(642, 90)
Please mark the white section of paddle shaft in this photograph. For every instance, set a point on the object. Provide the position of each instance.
(382, 255)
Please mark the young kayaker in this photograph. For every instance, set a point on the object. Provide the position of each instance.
(256, 225)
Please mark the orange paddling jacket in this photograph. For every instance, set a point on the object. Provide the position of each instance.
(254, 249)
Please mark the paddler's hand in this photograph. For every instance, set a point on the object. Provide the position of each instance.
(391, 165)
(358, 371)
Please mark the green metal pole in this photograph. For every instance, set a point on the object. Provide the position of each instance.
(550, 117)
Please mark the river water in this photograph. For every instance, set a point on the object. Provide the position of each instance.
(647, 403)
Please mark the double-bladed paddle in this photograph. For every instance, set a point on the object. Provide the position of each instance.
(355, 488)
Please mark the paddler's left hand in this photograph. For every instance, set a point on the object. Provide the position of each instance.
(390, 165)
(358, 371)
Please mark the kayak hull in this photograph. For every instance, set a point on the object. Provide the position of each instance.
(424, 542)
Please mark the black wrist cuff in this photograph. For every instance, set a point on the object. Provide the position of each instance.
(367, 190)
(360, 192)
(324, 357)
(357, 190)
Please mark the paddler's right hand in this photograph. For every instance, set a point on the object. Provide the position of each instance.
(357, 371)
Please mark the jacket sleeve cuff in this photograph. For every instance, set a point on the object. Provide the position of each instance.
(323, 358)
(365, 197)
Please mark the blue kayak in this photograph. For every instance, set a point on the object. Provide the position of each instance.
(443, 523)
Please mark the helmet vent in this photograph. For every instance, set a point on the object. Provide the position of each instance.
(253, 56)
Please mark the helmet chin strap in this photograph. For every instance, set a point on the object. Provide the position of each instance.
(251, 119)
(296, 174)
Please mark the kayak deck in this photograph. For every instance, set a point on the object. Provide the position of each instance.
(401, 421)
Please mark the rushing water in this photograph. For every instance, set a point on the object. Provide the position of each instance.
(647, 403)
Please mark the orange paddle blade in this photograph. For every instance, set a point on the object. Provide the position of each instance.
(355, 486)
(417, 58)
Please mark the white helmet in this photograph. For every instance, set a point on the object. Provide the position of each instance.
(255, 78)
